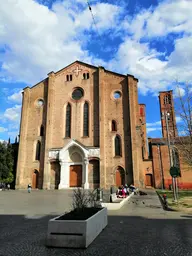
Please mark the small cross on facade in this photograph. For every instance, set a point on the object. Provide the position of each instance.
(77, 70)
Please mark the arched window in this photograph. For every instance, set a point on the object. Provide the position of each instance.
(85, 75)
(68, 122)
(67, 77)
(38, 150)
(86, 120)
(117, 146)
(167, 99)
(113, 126)
(42, 130)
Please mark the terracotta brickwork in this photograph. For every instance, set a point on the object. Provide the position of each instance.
(98, 89)
(167, 105)
(161, 157)
(161, 167)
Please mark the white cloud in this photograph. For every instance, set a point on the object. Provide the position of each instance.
(152, 129)
(16, 97)
(40, 40)
(179, 92)
(170, 16)
(2, 129)
(13, 114)
(178, 119)
(2, 141)
(154, 124)
(155, 70)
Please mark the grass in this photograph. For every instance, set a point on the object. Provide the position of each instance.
(184, 200)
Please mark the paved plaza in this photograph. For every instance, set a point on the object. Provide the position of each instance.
(140, 227)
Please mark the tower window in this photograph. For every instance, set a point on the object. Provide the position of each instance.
(117, 146)
(68, 122)
(113, 126)
(86, 120)
(167, 99)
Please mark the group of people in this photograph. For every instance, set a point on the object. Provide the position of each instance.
(123, 191)
(4, 186)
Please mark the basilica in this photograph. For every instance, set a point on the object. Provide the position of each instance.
(82, 126)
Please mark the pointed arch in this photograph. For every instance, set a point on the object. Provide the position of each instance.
(117, 145)
(119, 176)
(86, 119)
(68, 121)
(113, 126)
(38, 150)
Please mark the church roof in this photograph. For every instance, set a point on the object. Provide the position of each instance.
(85, 64)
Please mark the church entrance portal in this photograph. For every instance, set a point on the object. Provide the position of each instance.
(75, 175)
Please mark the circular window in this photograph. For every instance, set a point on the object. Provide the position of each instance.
(117, 94)
(77, 94)
(40, 103)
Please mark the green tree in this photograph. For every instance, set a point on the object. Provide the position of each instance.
(6, 163)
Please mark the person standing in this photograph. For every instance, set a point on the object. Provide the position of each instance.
(29, 188)
(8, 186)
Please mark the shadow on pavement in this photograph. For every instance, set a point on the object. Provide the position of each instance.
(124, 235)
(187, 216)
(166, 208)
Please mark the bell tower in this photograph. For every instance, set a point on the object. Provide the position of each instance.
(168, 120)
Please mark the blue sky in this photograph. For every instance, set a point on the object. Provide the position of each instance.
(150, 39)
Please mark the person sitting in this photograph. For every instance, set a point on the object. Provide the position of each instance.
(119, 192)
(132, 188)
(126, 190)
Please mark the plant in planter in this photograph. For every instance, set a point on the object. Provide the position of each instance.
(79, 227)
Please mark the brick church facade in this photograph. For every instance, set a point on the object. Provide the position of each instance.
(82, 127)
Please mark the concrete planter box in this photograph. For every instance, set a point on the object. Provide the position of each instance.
(76, 233)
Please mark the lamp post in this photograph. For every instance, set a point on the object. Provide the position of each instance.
(170, 155)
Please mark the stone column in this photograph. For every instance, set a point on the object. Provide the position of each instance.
(86, 173)
(64, 177)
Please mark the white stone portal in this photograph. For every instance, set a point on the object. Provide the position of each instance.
(73, 154)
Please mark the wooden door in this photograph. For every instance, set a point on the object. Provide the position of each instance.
(75, 176)
(120, 177)
(35, 180)
(149, 180)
